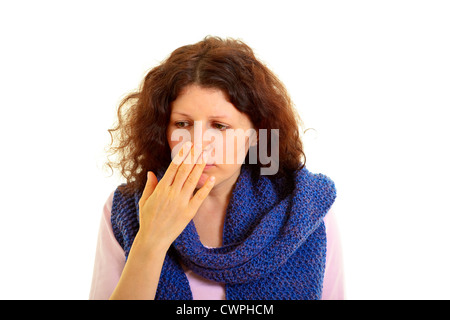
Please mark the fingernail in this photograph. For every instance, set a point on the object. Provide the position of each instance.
(208, 147)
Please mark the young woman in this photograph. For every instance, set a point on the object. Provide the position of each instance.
(206, 212)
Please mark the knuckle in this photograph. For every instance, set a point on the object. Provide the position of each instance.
(171, 195)
(173, 167)
(201, 195)
(184, 170)
(192, 179)
(204, 193)
(177, 161)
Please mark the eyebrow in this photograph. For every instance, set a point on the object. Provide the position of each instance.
(213, 117)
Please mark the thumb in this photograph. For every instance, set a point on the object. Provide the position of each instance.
(150, 186)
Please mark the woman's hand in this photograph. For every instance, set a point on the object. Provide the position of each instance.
(165, 208)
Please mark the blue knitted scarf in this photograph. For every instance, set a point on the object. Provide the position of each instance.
(274, 240)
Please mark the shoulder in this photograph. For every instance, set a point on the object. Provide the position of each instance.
(315, 182)
(316, 189)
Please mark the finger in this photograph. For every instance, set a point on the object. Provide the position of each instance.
(201, 195)
(150, 186)
(185, 168)
(193, 178)
(171, 171)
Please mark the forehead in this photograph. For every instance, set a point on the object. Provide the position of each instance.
(195, 99)
(200, 103)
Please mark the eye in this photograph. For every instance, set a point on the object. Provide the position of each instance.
(181, 124)
(220, 126)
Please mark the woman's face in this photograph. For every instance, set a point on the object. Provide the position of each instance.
(204, 116)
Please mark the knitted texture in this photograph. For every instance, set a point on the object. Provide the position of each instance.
(274, 239)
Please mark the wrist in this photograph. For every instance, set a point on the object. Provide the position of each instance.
(147, 246)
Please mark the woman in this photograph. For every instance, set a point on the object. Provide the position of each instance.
(206, 213)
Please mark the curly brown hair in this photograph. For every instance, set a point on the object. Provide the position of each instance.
(226, 64)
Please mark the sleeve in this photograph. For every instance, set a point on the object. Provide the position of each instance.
(333, 283)
(109, 258)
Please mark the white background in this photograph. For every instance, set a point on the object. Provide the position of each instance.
(371, 77)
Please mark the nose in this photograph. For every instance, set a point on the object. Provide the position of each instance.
(198, 136)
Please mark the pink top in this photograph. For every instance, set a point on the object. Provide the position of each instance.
(110, 261)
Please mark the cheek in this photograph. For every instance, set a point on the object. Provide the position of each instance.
(230, 149)
(176, 138)
(170, 140)
(237, 145)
